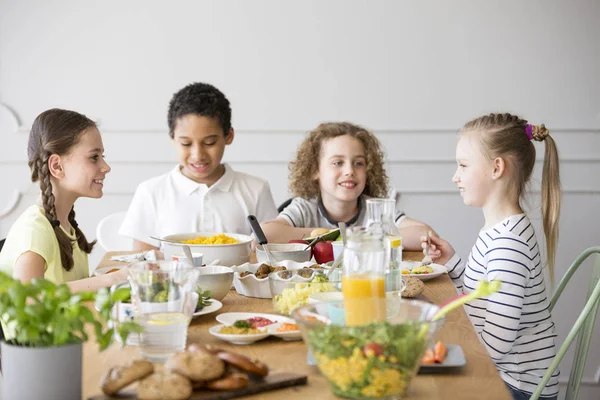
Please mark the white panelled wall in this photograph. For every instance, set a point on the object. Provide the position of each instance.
(412, 71)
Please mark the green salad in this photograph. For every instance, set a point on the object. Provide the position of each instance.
(369, 361)
(159, 293)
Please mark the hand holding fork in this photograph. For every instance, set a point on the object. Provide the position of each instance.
(435, 248)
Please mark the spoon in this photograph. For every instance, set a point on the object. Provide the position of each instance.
(342, 226)
(165, 240)
(188, 255)
(261, 238)
(338, 261)
(427, 259)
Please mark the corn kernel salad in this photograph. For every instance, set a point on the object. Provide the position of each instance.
(297, 295)
(370, 361)
(221, 238)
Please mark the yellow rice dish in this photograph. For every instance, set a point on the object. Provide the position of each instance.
(221, 238)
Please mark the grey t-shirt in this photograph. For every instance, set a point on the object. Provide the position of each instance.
(303, 213)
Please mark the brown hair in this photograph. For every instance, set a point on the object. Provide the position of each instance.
(306, 163)
(507, 136)
(56, 131)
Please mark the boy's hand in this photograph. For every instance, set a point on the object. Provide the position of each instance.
(440, 250)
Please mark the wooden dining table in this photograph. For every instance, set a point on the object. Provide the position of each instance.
(478, 379)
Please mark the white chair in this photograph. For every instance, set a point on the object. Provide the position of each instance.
(108, 236)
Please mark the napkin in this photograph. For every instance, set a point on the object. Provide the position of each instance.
(143, 256)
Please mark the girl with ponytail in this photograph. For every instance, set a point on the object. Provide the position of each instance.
(495, 156)
(65, 154)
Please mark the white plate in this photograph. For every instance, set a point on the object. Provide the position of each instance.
(454, 358)
(237, 339)
(104, 270)
(289, 335)
(214, 306)
(230, 318)
(437, 270)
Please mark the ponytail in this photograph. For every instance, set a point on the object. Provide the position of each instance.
(551, 201)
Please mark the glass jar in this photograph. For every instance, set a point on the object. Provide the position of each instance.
(366, 259)
(380, 217)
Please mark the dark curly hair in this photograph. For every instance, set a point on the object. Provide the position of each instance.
(307, 159)
(201, 99)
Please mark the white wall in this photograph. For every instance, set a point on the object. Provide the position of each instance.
(413, 71)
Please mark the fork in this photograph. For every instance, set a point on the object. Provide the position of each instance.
(427, 259)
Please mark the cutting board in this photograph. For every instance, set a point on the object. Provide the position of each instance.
(271, 382)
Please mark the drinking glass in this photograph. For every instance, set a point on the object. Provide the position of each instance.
(163, 297)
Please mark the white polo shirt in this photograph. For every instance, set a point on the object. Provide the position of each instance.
(172, 203)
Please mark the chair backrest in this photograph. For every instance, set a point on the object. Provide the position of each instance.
(108, 236)
(582, 329)
(283, 205)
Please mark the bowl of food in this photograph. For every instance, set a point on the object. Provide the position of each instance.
(377, 360)
(228, 248)
(292, 288)
(216, 279)
(252, 280)
(284, 251)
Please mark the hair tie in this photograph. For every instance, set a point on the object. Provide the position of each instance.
(55, 223)
(529, 131)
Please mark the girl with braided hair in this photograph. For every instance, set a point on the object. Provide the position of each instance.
(65, 154)
(495, 156)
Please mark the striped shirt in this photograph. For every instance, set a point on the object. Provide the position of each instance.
(514, 324)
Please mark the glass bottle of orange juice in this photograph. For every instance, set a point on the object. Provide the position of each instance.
(366, 258)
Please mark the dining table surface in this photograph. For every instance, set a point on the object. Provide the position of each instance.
(477, 379)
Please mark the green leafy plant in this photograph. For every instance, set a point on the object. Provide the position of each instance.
(203, 298)
(41, 313)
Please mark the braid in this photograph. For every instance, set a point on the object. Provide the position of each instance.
(46, 186)
(64, 243)
(81, 239)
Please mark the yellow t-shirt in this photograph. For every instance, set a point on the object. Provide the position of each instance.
(32, 232)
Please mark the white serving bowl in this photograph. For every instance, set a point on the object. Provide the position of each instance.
(217, 279)
(284, 251)
(251, 286)
(227, 254)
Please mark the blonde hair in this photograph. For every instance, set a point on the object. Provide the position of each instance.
(510, 137)
(306, 163)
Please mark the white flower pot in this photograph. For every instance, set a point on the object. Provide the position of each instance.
(50, 373)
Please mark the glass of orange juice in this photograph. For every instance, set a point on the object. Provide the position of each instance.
(366, 258)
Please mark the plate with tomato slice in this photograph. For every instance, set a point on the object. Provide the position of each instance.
(276, 325)
(443, 355)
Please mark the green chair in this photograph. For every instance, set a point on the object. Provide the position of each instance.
(582, 329)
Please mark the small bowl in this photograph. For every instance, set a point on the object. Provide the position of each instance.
(338, 248)
(291, 289)
(284, 251)
(226, 254)
(197, 257)
(377, 360)
(325, 297)
(217, 279)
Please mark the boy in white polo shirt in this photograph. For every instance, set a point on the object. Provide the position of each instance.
(200, 193)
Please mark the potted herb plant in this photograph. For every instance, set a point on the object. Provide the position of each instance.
(45, 325)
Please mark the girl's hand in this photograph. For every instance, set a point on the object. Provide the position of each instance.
(119, 276)
(440, 250)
